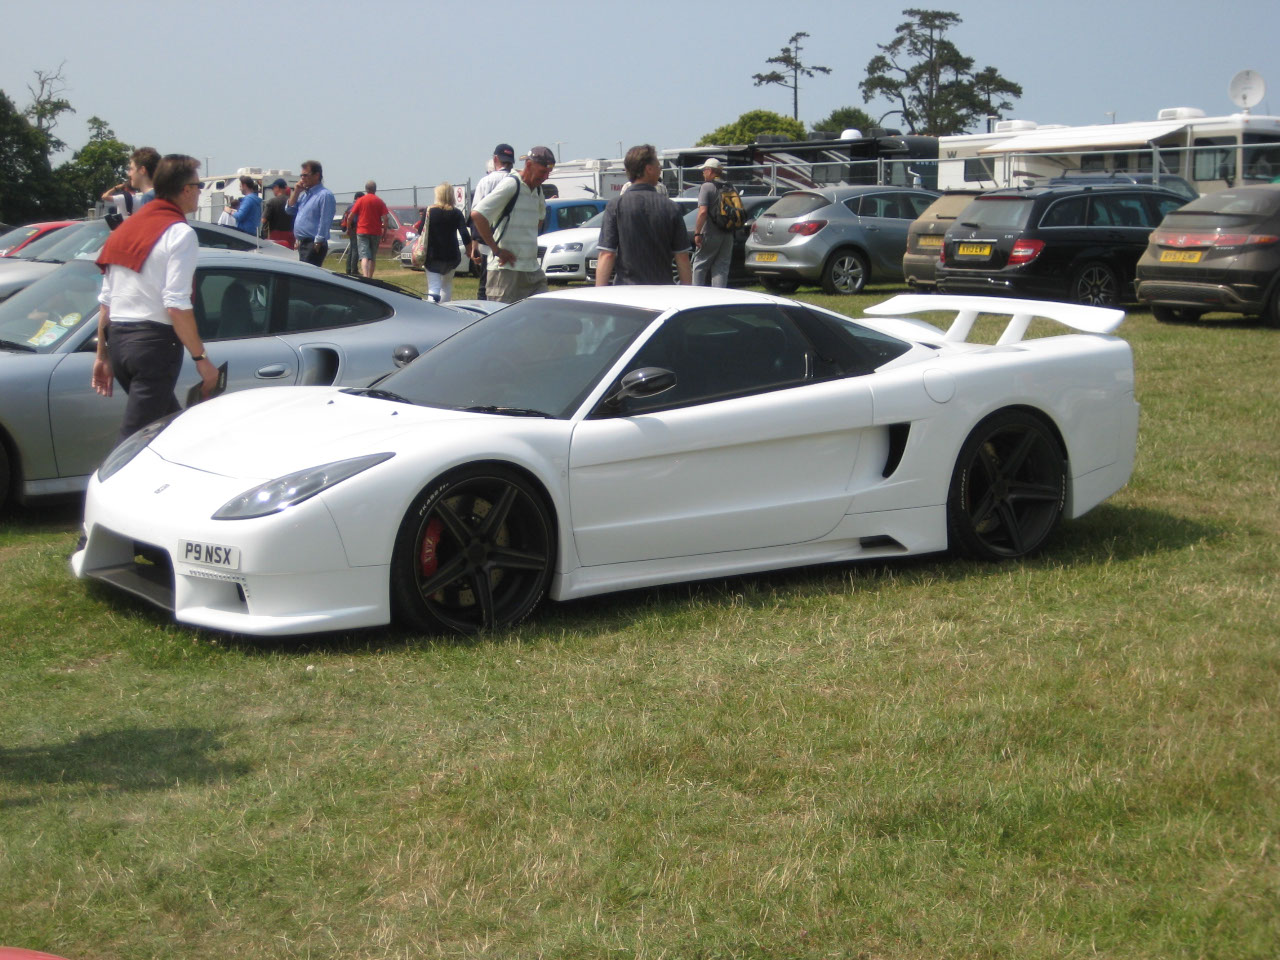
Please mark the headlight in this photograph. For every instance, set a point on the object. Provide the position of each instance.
(284, 492)
(131, 446)
(567, 248)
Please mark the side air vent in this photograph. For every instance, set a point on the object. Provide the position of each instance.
(897, 444)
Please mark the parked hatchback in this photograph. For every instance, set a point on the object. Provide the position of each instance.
(1053, 243)
(924, 238)
(839, 237)
(1220, 252)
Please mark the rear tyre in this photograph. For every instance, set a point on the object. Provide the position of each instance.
(845, 273)
(1175, 314)
(779, 284)
(396, 247)
(1008, 488)
(475, 552)
(1096, 284)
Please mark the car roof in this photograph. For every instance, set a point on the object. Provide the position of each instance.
(1068, 189)
(663, 297)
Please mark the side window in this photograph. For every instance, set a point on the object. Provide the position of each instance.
(576, 216)
(1166, 205)
(1124, 210)
(845, 348)
(880, 205)
(724, 352)
(1065, 213)
(918, 203)
(317, 305)
(221, 241)
(232, 304)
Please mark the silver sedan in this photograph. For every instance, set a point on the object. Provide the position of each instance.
(273, 322)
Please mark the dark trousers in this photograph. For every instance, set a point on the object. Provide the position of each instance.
(311, 252)
(145, 358)
(484, 275)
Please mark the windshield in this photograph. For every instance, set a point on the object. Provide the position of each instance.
(18, 235)
(596, 221)
(84, 240)
(1011, 212)
(39, 317)
(36, 248)
(541, 355)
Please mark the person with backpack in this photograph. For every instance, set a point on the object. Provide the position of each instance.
(720, 213)
(508, 221)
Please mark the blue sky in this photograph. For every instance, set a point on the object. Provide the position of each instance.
(416, 93)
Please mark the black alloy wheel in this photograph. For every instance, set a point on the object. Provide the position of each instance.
(474, 553)
(1096, 284)
(1008, 488)
(779, 284)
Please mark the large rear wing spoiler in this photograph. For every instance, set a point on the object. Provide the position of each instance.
(1074, 315)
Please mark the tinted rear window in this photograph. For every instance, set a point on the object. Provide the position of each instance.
(797, 205)
(947, 208)
(1244, 202)
(1010, 212)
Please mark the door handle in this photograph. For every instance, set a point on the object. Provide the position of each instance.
(272, 371)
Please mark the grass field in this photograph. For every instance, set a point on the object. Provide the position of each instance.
(1073, 756)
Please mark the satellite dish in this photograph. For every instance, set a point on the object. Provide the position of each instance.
(1247, 89)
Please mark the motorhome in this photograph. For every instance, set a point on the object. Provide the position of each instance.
(218, 189)
(1212, 153)
(583, 179)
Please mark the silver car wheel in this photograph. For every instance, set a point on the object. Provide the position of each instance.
(845, 273)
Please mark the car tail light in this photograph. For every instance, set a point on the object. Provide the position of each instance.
(1024, 251)
(1174, 238)
(942, 254)
(807, 228)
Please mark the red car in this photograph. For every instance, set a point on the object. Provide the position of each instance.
(17, 238)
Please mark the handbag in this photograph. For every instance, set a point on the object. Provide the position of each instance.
(420, 242)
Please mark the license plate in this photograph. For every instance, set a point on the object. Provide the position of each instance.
(209, 554)
(1181, 256)
(766, 258)
(974, 250)
(930, 241)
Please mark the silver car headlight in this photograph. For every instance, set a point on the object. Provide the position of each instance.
(131, 446)
(567, 248)
(284, 492)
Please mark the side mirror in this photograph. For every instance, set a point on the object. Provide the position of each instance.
(404, 354)
(645, 382)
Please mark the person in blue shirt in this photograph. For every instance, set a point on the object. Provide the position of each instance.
(249, 213)
(312, 205)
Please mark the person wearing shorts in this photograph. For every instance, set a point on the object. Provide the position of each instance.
(371, 216)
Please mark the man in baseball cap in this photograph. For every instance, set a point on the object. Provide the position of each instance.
(508, 221)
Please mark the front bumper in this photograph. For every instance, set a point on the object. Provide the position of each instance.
(292, 574)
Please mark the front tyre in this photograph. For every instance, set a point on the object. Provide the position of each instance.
(1008, 488)
(475, 552)
(1175, 314)
(845, 273)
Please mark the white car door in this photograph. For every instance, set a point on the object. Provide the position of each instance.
(745, 452)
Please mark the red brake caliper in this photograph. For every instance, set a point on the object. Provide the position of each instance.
(428, 560)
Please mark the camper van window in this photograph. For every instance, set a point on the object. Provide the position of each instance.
(978, 169)
(1213, 164)
(1261, 156)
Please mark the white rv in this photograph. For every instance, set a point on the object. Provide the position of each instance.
(1212, 153)
(219, 189)
(596, 179)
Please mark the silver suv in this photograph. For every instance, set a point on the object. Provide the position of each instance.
(836, 236)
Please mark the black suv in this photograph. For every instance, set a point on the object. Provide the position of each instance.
(1053, 243)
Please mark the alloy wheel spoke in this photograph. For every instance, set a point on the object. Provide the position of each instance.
(990, 465)
(1015, 460)
(512, 559)
(444, 576)
(1034, 491)
(983, 509)
(497, 514)
(1009, 520)
(453, 522)
(483, 591)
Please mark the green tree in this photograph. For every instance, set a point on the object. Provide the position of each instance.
(935, 88)
(101, 163)
(750, 125)
(25, 179)
(790, 59)
(842, 118)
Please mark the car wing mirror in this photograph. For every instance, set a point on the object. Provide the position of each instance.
(644, 382)
(404, 354)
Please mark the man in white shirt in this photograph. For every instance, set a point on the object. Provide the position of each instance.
(147, 317)
(514, 211)
(504, 158)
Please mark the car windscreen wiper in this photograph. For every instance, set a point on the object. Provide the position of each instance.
(509, 411)
(13, 345)
(377, 394)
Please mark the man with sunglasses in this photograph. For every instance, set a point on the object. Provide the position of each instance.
(508, 220)
(313, 206)
(148, 265)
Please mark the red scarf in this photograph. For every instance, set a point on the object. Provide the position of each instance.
(131, 243)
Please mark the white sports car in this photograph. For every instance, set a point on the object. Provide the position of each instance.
(602, 439)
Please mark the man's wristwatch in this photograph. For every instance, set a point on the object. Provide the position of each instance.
(203, 356)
